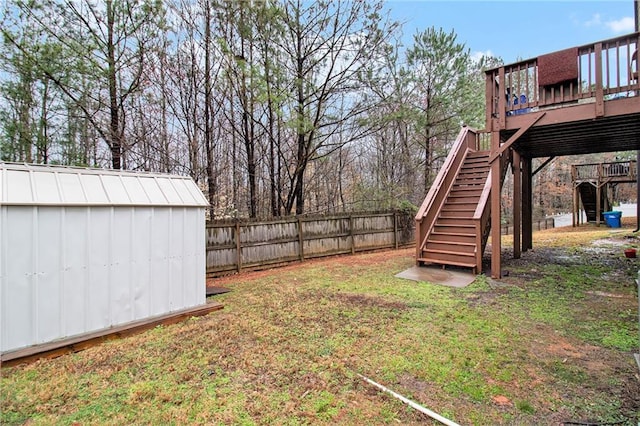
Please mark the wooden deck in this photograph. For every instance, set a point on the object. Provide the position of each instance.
(592, 106)
(581, 100)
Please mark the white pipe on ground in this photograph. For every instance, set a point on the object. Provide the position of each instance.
(412, 404)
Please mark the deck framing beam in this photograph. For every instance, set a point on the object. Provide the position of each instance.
(502, 148)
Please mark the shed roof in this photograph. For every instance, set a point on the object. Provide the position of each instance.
(35, 184)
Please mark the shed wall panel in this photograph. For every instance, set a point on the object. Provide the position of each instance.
(141, 264)
(48, 297)
(17, 286)
(160, 260)
(121, 234)
(99, 252)
(73, 246)
(201, 255)
(176, 248)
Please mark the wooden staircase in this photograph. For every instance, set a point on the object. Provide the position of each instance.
(453, 238)
(588, 196)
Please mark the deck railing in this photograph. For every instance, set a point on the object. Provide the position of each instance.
(593, 73)
(604, 171)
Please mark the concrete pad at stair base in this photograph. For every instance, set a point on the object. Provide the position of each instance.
(437, 275)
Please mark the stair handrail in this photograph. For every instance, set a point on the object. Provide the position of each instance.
(482, 214)
(481, 219)
(435, 197)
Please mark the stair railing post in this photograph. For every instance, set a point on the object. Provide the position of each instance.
(495, 205)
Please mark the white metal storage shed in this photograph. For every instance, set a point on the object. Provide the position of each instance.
(88, 249)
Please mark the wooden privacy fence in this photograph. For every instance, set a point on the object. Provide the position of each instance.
(234, 245)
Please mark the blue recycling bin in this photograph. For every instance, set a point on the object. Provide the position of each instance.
(612, 219)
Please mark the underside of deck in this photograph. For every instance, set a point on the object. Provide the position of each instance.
(575, 130)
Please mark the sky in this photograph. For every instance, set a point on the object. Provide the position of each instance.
(515, 29)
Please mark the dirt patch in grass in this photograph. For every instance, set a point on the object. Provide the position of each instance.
(550, 342)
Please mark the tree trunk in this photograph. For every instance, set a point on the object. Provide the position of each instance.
(115, 144)
(207, 108)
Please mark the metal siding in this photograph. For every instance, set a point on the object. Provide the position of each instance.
(71, 188)
(38, 184)
(18, 187)
(3, 261)
(115, 189)
(71, 263)
(46, 187)
(98, 257)
(152, 190)
(121, 233)
(74, 229)
(48, 298)
(134, 189)
(160, 232)
(169, 192)
(18, 309)
(94, 190)
(201, 256)
(176, 257)
(194, 248)
(141, 263)
(195, 196)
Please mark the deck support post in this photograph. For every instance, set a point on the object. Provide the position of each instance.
(575, 213)
(495, 209)
(598, 196)
(517, 204)
(527, 202)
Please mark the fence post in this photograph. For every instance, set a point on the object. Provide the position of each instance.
(353, 240)
(395, 229)
(238, 247)
(300, 239)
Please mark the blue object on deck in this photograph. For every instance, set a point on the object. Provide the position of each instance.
(612, 219)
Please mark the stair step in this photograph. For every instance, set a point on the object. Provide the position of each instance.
(465, 174)
(471, 174)
(468, 185)
(458, 221)
(460, 205)
(457, 211)
(455, 229)
(427, 259)
(454, 237)
(456, 215)
(463, 199)
(451, 258)
(450, 247)
(475, 162)
(466, 189)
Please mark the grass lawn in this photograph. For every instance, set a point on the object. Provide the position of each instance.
(551, 342)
